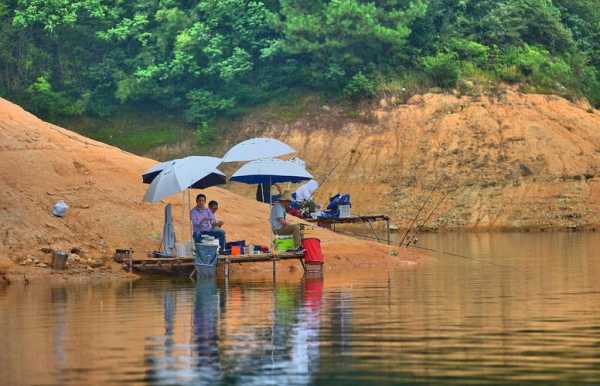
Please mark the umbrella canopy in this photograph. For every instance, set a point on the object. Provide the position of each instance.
(271, 171)
(190, 172)
(150, 174)
(215, 178)
(257, 148)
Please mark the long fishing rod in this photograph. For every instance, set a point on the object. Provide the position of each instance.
(335, 167)
(414, 220)
(410, 240)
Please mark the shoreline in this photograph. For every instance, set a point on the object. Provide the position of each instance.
(398, 258)
(14, 274)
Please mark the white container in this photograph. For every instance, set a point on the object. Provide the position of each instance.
(180, 249)
(345, 211)
(189, 248)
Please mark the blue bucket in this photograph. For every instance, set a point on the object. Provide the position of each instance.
(205, 259)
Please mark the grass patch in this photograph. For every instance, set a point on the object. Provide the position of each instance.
(133, 130)
(139, 140)
(292, 106)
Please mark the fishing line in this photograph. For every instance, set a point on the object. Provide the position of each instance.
(505, 266)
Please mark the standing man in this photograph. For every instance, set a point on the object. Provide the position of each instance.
(279, 222)
(204, 221)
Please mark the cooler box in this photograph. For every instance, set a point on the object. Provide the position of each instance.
(283, 243)
(312, 251)
(345, 211)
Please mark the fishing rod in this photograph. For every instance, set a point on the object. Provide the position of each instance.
(413, 237)
(414, 220)
(335, 167)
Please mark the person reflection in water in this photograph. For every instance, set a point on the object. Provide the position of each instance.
(205, 331)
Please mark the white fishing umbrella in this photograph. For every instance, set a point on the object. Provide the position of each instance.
(170, 177)
(257, 148)
(306, 191)
(271, 171)
(150, 174)
(182, 174)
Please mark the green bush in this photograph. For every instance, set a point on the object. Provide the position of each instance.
(444, 69)
(591, 86)
(360, 87)
(206, 134)
(204, 105)
(536, 66)
(47, 102)
(470, 50)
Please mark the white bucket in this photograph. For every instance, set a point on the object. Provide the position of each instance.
(180, 249)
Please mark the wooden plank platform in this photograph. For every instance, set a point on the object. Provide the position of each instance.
(186, 264)
(330, 223)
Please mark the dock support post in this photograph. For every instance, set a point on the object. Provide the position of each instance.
(387, 230)
(227, 268)
(274, 269)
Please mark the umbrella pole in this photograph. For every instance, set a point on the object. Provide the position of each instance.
(183, 216)
(270, 226)
(191, 234)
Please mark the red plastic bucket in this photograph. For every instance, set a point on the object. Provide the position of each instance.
(312, 251)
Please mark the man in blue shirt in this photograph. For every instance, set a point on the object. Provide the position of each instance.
(279, 222)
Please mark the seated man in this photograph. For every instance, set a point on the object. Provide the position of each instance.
(278, 219)
(214, 206)
(204, 222)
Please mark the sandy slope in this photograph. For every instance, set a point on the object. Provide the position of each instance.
(42, 163)
(508, 161)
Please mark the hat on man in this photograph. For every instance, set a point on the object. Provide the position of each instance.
(285, 196)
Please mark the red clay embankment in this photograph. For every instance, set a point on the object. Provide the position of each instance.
(42, 163)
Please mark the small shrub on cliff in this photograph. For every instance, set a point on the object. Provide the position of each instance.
(444, 69)
(360, 87)
(206, 134)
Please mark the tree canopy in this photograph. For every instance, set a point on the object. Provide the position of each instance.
(210, 57)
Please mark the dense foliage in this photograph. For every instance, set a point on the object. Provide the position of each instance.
(210, 57)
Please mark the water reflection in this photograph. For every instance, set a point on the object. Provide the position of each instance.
(524, 310)
(238, 337)
(59, 330)
(205, 337)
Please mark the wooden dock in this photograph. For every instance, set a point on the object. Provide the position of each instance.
(183, 265)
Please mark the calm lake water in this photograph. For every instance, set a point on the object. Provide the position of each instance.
(516, 309)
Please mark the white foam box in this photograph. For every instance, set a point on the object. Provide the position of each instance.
(345, 211)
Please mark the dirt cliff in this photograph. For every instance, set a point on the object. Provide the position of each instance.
(508, 161)
(41, 163)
